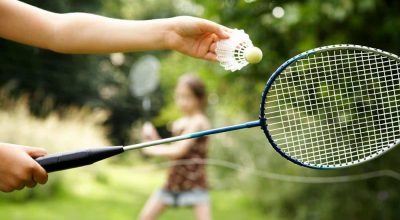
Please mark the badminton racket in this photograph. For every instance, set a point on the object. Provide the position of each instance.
(329, 107)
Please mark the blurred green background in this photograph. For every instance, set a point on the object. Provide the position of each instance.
(64, 102)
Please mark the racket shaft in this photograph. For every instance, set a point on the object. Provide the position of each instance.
(68, 160)
(194, 135)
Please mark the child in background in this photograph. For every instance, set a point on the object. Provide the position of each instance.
(82, 33)
(186, 184)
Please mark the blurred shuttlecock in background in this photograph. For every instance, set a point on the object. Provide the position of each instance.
(237, 51)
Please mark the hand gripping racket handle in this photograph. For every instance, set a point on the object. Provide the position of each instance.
(79, 158)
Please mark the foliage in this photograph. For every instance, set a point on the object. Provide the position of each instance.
(305, 25)
(54, 81)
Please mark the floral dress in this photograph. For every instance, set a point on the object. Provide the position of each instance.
(189, 172)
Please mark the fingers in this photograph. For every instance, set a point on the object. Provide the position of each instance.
(205, 43)
(17, 183)
(207, 47)
(20, 186)
(211, 56)
(19, 169)
(219, 30)
(4, 188)
(213, 47)
(34, 152)
(11, 184)
(39, 174)
(30, 184)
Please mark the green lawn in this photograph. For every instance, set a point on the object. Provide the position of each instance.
(113, 192)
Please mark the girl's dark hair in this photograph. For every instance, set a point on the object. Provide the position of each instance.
(197, 86)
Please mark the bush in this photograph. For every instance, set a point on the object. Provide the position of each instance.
(75, 129)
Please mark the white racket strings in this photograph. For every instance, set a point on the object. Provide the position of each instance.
(336, 107)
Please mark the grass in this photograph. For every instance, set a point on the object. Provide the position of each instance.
(116, 192)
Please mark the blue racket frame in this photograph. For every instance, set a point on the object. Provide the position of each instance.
(263, 119)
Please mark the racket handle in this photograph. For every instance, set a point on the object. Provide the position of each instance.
(78, 158)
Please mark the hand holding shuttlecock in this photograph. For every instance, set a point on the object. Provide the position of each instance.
(237, 51)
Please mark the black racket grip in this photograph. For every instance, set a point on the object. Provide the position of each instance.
(68, 160)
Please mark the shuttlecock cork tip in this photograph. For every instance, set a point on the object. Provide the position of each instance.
(253, 55)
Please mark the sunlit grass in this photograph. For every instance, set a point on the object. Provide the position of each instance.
(120, 196)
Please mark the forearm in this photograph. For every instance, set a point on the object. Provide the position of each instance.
(80, 32)
(26, 24)
(162, 151)
(87, 33)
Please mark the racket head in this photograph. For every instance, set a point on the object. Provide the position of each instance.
(144, 76)
(333, 106)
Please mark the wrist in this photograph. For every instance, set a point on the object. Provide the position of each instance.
(170, 33)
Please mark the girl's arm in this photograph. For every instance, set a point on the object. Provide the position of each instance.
(177, 149)
(88, 33)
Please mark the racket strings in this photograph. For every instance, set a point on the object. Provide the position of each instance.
(357, 148)
(339, 84)
(335, 107)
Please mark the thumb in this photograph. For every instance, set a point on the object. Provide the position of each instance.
(34, 152)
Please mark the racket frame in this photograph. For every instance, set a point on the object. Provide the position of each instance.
(270, 82)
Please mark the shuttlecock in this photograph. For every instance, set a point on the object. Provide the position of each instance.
(237, 51)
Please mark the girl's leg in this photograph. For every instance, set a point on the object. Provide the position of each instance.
(153, 208)
(202, 211)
